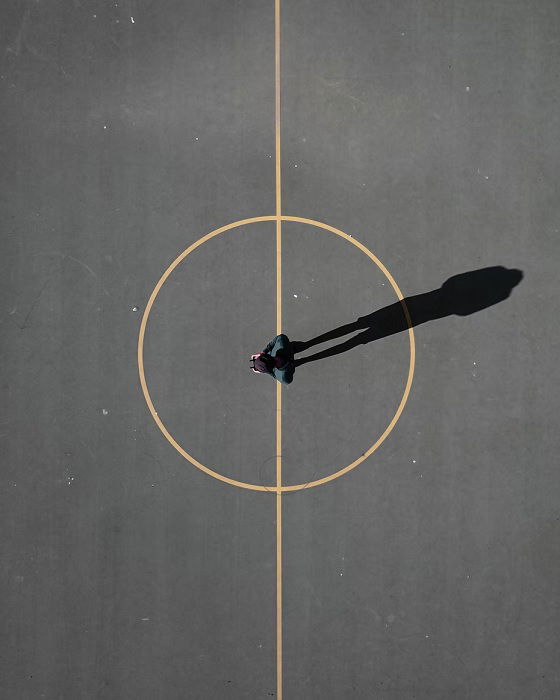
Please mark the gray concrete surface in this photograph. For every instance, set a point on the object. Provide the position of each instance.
(427, 130)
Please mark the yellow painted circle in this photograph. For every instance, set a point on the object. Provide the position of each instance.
(244, 484)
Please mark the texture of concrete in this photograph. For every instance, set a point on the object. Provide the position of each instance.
(430, 132)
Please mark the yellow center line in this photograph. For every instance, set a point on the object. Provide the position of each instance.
(278, 549)
(278, 331)
(278, 175)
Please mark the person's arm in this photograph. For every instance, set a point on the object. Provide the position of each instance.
(284, 347)
(269, 347)
(285, 375)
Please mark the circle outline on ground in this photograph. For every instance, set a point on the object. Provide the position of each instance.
(244, 484)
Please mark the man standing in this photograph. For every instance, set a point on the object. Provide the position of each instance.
(277, 359)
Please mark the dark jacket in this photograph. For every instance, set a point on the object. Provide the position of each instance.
(281, 347)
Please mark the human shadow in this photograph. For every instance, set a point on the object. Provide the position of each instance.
(461, 295)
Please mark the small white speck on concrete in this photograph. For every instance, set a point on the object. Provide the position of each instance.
(413, 461)
(196, 138)
(421, 475)
(295, 165)
(295, 296)
(427, 636)
(474, 363)
(153, 485)
(145, 619)
(94, 16)
(468, 88)
(341, 573)
(104, 126)
(135, 308)
(104, 411)
(486, 177)
(403, 33)
(132, 20)
(117, 21)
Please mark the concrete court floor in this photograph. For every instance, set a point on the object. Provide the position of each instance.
(427, 130)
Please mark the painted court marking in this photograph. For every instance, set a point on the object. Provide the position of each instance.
(279, 638)
(279, 488)
(274, 487)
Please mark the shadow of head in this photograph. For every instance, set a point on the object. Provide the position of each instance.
(470, 292)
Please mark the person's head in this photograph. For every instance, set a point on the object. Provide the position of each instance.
(262, 363)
